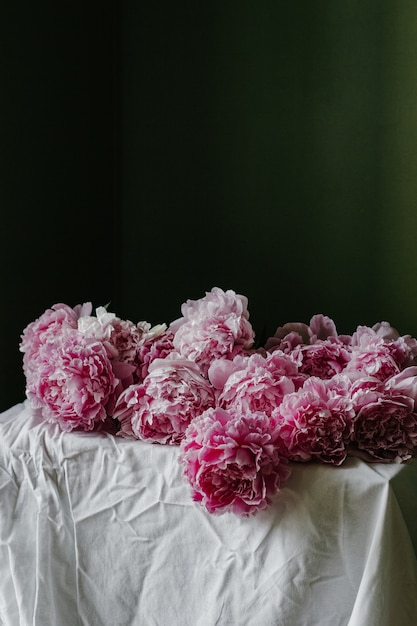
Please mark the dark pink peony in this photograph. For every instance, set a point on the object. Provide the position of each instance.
(324, 358)
(159, 410)
(232, 462)
(73, 382)
(386, 427)
(213, 327)
(316, 422)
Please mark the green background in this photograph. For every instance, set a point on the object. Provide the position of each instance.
(151, 151)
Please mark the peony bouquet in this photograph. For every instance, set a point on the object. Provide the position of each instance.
(239, 413)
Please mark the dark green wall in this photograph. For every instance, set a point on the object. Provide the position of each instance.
(262, 152)
(266, 147)
(57, 158)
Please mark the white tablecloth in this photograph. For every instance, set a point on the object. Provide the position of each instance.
(98, 530)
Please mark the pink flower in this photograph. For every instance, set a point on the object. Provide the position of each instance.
(45, 328)
(121, 339)
(324, 358)
(232, 462)
(322, 327)
(375, 359)
(316, 422)
(287, 337)
(159, 410)
(294, 334)
(213, 327)
(74, 381)
(404, 383)
(255, 383)
(386, 427)
(155, 343)
(381, 348)
(404, 348)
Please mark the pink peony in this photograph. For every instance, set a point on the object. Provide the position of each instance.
(404, 383)
(213, 327)
(155, 343)
(324, 358)
(159, 410)
(376, 360)
(121, 339)
(73, 382)
(321, 327)
(255, 383)
(386, 427)
(232, 462)
(316, 422)
(381, 346)
(45, 328)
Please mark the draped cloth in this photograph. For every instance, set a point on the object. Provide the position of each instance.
(99, 530)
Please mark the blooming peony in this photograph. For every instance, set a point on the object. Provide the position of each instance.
(316, 422)
(380, 351)
(376, 359)
(239, 412)
(156, 342)
(386, 422)
(294, 334)
(255, 383)
(325, 358)
(45, 328)
(232, 462)
(386, 428)
(73, 382)
(159, 410)
(213, 327)
(404, 383)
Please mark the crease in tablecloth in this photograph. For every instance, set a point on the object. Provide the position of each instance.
(96, 530)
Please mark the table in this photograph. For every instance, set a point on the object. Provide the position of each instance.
(99, 530)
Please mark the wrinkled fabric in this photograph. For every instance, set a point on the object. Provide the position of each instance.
(99, 530)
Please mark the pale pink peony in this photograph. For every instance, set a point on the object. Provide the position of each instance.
(232, 462)
(384, 338)
(121, 339)
(376, 359)
(404, 383)
(216, 304)
(255, 383)
(403, 348)
(363, 389)
(126, 405)
(316, 422)
(73, 382)
(159, 410)
(321, 327)
(213, 327)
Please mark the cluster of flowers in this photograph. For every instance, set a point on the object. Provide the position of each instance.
(239, 414)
